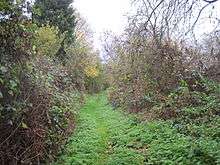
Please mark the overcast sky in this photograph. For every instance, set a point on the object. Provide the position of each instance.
(104, 15)
(109, 15)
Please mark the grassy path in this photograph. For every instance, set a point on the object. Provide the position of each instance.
(99, 139)
(107, 137)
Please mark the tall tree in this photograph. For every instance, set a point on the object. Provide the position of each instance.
(57, 13)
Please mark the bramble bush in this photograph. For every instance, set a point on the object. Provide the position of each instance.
(172, 86)
(39, 95)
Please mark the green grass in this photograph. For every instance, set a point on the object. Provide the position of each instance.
(108, 137)
(93, 143)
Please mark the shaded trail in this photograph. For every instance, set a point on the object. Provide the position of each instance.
(103, 137)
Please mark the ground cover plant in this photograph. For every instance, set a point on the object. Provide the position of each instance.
(107, 136)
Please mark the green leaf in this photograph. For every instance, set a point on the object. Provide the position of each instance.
(1, 81)
(18, 2)
(13, 84)
(3, 69)
(1, 95)
(23, 125)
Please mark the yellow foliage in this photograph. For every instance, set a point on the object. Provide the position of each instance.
(91, 71)
(47, 41)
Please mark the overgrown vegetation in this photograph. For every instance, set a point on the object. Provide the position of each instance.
(156, 70)
(41, 90)
(174, 86)
(107, 136)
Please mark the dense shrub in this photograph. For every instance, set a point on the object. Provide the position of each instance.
(170, 82)
(65, 102)
(39, 96)
(142, 78)
(38, 110)
(182, 109)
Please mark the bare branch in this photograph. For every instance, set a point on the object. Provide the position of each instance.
(197, 18)
(212, 1)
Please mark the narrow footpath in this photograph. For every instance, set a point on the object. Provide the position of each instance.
(103, 137)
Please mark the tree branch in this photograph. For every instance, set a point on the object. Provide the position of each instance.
(210, 1)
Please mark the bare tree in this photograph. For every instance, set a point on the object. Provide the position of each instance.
(168, 18)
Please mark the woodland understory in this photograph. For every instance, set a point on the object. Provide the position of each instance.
(152, 97)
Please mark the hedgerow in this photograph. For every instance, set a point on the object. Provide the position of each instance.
(40, 93)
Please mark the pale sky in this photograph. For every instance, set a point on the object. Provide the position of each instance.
(110, 15)
(104, 15)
